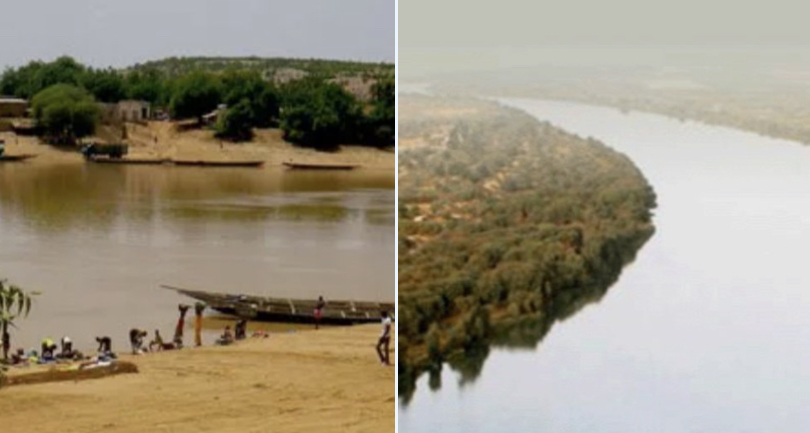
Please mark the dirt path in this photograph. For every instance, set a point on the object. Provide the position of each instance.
(314, 381)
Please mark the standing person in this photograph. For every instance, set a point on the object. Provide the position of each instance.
(199, 307)
(319, 311)
(181, 323)
(385, 339)
(240, 330)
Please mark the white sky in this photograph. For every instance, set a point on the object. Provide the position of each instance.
(124, 32)
(437, 35)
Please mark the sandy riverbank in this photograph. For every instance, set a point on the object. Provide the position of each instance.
(327, 380)
(163, 140)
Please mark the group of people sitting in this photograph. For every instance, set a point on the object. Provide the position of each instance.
(49, 352)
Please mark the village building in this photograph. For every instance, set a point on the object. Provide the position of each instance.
(126, 111)
(13, 107)
(134, 111)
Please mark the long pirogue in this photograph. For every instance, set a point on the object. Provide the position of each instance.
(297, 166)
(288, 310)
(16, 158)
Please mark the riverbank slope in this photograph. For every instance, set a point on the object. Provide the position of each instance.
(163, 140)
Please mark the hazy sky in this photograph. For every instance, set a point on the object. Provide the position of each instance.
(441, 34)
(121, 33)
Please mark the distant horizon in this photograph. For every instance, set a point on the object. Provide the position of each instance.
(180, 57)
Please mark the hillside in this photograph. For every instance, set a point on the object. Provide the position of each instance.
(506, 225)
(269, 67)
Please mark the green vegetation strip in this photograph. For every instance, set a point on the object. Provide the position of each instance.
(316, 103)
(506, 225)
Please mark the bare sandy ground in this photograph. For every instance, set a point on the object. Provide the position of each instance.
(163, 140)
(309, 381)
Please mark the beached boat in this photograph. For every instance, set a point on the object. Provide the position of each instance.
(287, 310)
(70, 372)
(219, 163)
(134, 161)
(297, 166)
(16, 158)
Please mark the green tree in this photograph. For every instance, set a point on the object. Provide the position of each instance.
(65, 113)
(21, 82)
(237, 122)
(380, 122)
(14, 303)
(28, 80)
(195, 94)
(261, 96)
(106, 85)
(147, 85)
(319, 114)
(64, 70)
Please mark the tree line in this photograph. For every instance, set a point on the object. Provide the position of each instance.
(267, 67)
(312, 111)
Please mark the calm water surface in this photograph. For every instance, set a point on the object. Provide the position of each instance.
(98, 241)
(706, 332)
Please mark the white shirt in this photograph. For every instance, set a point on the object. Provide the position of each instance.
(386, 322)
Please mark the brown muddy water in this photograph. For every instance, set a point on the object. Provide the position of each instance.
(98, 241)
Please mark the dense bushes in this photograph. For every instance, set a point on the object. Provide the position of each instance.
(510, 225)
(319, 114)
(195, 94)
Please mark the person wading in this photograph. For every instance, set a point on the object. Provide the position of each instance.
(181, 323)
(199, 307)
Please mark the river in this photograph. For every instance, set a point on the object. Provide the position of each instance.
(99, 240)
(705, 332)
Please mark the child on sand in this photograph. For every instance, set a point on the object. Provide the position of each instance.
(158, 344)
(226, 338)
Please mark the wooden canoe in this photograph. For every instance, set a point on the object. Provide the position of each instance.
(297, 166)
(75, 374)
(265, 309)
(219, 163)
(134, 161)
(16, 158)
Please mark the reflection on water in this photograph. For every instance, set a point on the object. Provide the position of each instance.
(525, 334)
(99, 240)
